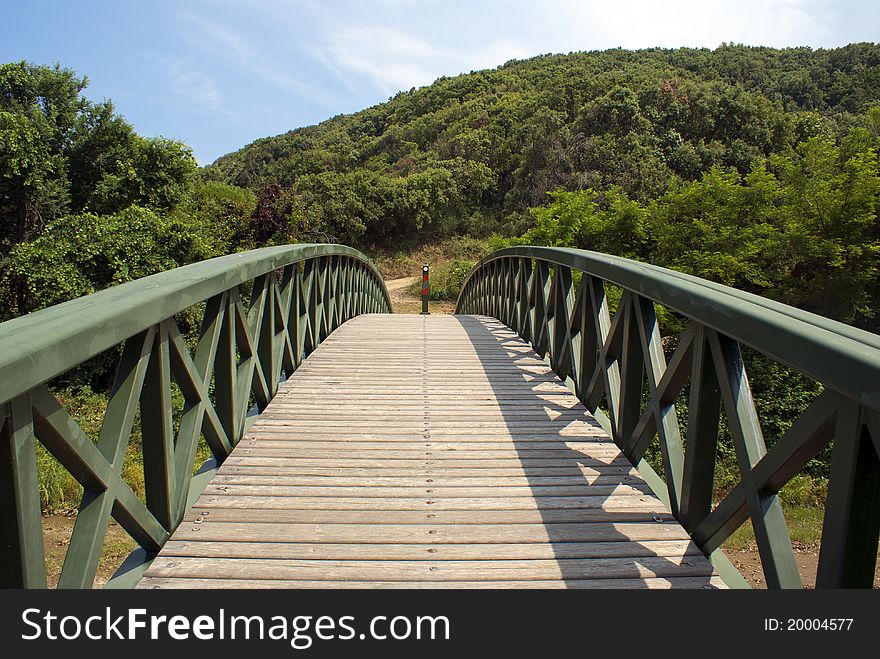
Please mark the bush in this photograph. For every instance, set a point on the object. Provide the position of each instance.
(80, 254)
(446, 280)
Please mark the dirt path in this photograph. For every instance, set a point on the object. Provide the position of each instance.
(807, 559)
(57, 530)
(403, 300)
(395, 286)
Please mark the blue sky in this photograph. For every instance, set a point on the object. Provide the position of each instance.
(218, 74)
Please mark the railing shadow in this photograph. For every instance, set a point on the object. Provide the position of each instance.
(582, 498)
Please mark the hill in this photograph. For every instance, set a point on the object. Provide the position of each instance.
(471, 153)
(754, 167)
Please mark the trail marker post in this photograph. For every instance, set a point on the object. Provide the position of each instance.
(425, 271)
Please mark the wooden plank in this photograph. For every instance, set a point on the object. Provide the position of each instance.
(428, 492)
(320, 516)
(427, 452)
(439, 571)
(423, 463)
(416, 432)
(435, 453)
(460, 472)
(450, 442)
(486, 502)
(432, 533)
(411, 552)
(616, 584)
(417, 482)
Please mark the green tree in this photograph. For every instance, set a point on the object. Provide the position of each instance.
(60, 153)
(615, 224)
(724, 227)
(831, 200)
(39, 107)
(224, 213)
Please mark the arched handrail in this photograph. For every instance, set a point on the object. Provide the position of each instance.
(619, 359)
(300, 294)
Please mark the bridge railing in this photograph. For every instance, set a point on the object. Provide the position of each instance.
(247, 344)
(618, 361)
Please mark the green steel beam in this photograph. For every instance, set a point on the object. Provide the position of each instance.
(704, 413)
(22, 560)
(37, 347)
(765, 508)
(840, 356)
(852, 525)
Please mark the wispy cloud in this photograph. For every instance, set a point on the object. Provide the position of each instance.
(199, 88)
(265, 56)
(393, 60)
(389, 58)
(390, 45)
(225, 40)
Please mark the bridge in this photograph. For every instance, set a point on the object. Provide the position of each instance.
(503, 447)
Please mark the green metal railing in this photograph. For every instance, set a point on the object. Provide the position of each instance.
(299, 295)
(618, 362)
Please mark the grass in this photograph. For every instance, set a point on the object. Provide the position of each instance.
(803, 501)
(59, 491)
(804, 528)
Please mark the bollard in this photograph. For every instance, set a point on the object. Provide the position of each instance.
(425, 311)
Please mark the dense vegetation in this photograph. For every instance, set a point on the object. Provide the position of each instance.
(754, 167)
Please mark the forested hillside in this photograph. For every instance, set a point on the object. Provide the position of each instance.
(752, 166)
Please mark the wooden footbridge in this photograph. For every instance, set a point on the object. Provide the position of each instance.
(427, 451)
(503, 447)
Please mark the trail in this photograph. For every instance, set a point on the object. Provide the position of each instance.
(395, 285)
(403, 300)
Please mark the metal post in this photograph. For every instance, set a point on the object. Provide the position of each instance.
(425, 311)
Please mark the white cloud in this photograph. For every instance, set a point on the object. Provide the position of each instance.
(257, 58)
(397, 49)
(696, 23)
(393, 60)
(223, 38)
(388, 45)
(196, 86)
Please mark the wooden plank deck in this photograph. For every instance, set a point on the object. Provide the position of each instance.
(427, 452)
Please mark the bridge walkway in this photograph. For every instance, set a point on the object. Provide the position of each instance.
(427, 452)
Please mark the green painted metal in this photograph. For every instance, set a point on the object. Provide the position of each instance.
(22, 562)
(41, 345)
(299, 295)
(852, 525)
(618, 363)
